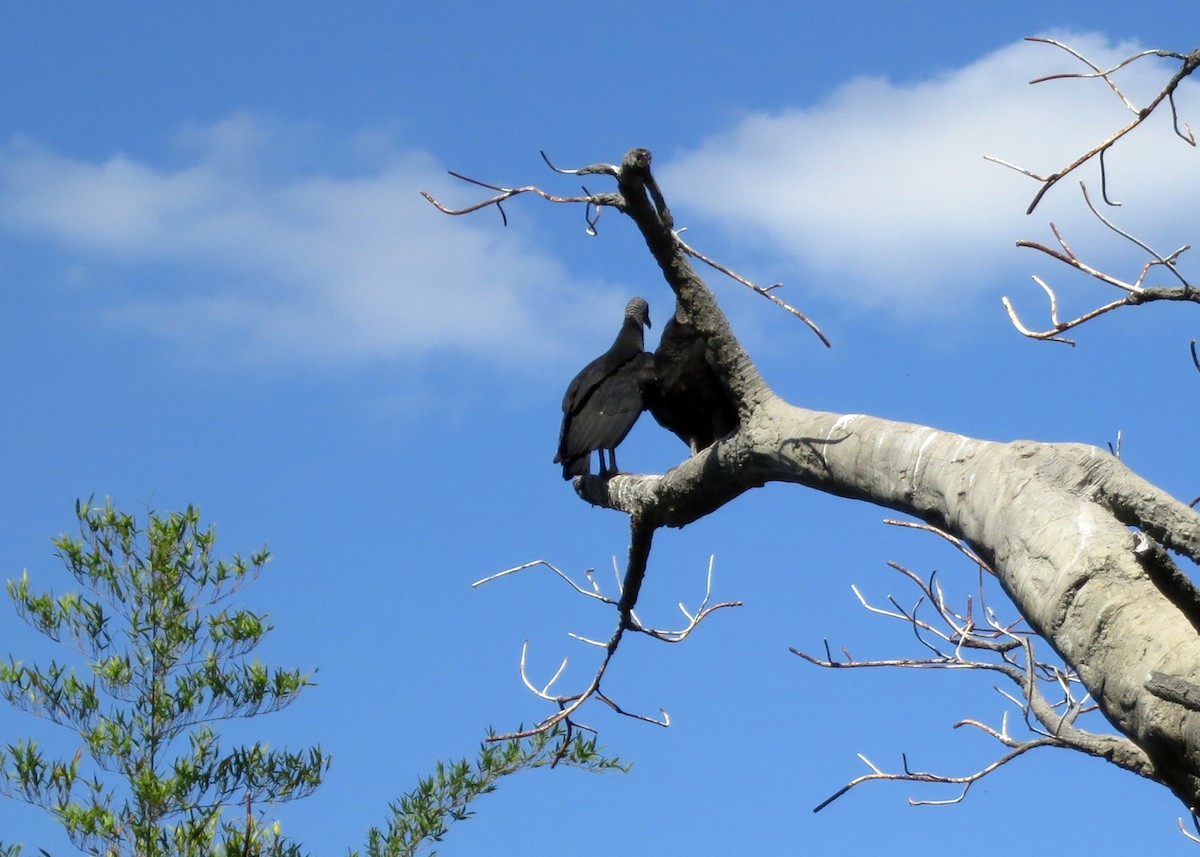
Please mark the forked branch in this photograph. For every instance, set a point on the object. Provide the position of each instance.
(1136, 291)
(595, 202)
(505, 193)
(568, 704)
(640, 198)
(908, 775)
(975, 638)
(1187, 64)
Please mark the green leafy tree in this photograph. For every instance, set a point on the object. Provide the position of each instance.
(423, 816)
(166, 660)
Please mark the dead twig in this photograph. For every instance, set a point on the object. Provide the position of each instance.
(1195, 837)
(910, 776)
(504, 194)
(765, 291)
(1137, 292)
(568, 704)
(974, 638)
(593, 592)
(594, 204)
(702, 612)
(1188, 64)
(942, 534)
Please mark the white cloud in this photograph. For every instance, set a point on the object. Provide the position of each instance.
(878, 193)
(881, 190)
(271, 262)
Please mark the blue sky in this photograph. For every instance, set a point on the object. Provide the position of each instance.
(219, 285)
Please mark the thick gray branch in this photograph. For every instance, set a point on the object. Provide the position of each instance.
(1053, 520)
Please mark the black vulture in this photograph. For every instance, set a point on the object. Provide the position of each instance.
(682, 390)
(603, 401)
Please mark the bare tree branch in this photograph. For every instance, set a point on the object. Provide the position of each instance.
(591, 170)
(947, 634)
(613, 200)
(1188, 64)
(1195, 837)
(911, 776)
(940, 533)
(508, 193)
(568, 704)
(1052, 520)
(593, 592)
(766, 291)
(1137, 292)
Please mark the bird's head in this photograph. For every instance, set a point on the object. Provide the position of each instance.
(638, 310)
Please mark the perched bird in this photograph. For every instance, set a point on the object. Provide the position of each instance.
(682, 391)
(604, 401)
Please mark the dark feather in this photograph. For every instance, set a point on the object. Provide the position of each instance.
(604, 400)
(682, 391)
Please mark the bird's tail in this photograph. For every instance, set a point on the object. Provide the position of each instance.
(580, 465)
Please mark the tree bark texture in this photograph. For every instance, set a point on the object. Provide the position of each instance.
(1079, 542)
